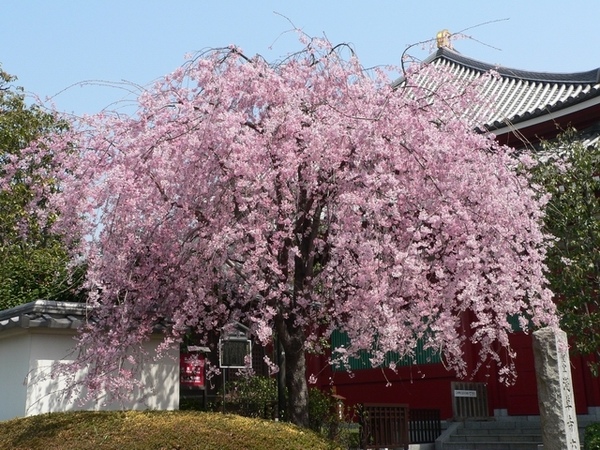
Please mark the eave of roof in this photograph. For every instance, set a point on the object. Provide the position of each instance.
(44, 314)
(52, 314)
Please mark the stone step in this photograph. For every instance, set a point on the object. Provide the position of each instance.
(503, 425)
(502, 433)
(494, 435)
(498, 431)
(491, 445)
(497, 438)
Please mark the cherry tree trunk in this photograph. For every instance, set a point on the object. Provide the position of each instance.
(295, 375)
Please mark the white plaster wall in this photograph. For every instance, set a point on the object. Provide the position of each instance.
(14, 365)
(37, 352)
(160, 380)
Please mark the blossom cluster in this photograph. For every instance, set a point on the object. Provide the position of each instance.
(303, 197)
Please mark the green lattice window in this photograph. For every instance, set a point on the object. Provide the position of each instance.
(516, 326)
(421, 356)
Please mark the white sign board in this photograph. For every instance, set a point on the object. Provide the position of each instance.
(465, 393)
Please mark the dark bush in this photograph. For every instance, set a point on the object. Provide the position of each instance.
(254, 396)
(592, 437)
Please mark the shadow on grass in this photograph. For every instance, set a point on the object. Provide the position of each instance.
(37, 429)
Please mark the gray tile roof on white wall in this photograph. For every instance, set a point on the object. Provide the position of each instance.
(52, 314)
(44, 313)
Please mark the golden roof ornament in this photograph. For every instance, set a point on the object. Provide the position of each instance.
(443, 39)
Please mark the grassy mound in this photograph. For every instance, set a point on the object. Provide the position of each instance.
(158, 430)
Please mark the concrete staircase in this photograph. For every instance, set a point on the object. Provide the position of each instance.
(503, 432)
(491, 435)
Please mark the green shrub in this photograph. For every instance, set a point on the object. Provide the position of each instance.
(320, 409)
(254, 396)
(592, 437)
(331, 419)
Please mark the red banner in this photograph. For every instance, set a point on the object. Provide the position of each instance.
(191, 369)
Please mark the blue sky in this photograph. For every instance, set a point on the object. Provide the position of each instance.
(67, 50)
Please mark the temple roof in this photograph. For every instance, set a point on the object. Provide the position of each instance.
(520, 95)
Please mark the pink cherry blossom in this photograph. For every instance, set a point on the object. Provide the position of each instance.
(299, 198)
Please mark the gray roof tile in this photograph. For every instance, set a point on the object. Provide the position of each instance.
(44, 314)
(519, 95)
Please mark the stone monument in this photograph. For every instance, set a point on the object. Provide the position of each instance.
(555, 390)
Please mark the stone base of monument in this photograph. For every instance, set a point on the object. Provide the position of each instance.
(555, 390)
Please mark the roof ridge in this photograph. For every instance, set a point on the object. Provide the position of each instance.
(45, 307)
(585, 77)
